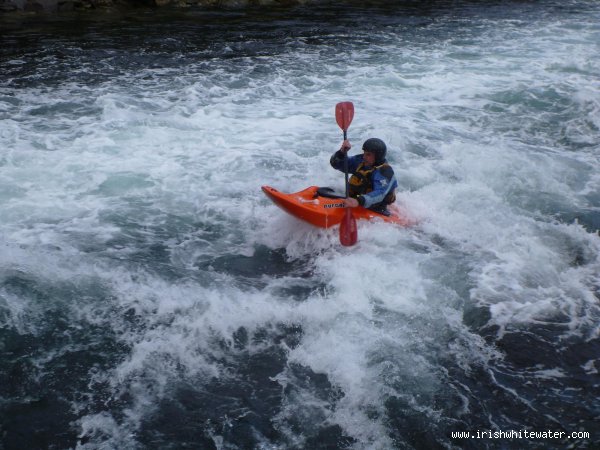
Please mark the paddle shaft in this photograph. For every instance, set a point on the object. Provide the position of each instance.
(346, 164)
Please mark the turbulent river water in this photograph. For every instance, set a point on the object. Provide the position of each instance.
(152, 297)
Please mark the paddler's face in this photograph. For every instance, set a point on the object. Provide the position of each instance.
(369, 158)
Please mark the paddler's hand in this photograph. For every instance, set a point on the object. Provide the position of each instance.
(345, 146)
(351, 202)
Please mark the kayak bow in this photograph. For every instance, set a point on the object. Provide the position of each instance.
(325, 212)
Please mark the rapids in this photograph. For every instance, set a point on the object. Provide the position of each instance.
(152, 297)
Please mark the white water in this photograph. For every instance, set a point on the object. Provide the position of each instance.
(91, 179)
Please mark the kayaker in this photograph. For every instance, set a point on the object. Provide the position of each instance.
(372, 184)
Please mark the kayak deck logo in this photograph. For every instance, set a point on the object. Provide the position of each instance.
(334, 205)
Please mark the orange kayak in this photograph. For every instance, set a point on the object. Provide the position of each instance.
(324, 211)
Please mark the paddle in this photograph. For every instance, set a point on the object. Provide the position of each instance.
(344, 113)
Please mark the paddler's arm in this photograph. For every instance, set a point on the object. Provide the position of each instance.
(337, 159)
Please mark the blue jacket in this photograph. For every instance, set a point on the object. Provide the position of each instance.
(383, 183)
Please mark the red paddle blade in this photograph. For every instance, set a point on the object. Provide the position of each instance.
(348, 231)
(344, 113)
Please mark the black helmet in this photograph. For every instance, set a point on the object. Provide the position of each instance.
(377, 147)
